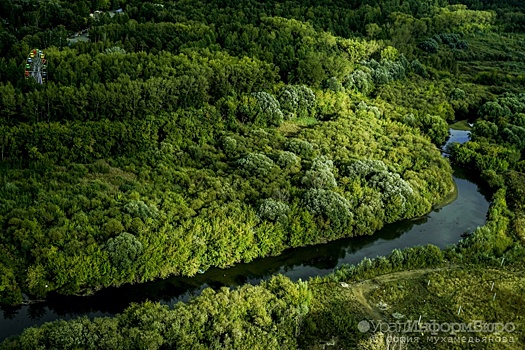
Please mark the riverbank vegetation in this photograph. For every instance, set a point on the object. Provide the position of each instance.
(177, 139)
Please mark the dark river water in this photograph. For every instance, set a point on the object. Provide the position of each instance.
(441, 227)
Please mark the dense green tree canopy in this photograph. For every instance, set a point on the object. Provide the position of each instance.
(172, 136)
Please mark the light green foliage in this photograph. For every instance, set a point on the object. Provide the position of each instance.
(300, 147)
(150, 152)
(331, 206)
(431, 125)
(256, 163)
(153, 128)
(137, 208)
(361, 81)
(421, 97)
(296, 101)
(320, 174)
(389, 53)
(365, 168)
(230, 145)
(273, 210)
(288, 160)
(269, 108)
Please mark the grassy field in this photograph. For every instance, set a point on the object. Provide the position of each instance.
(342, 312)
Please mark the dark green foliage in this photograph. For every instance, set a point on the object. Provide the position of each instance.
(497, 140)
(269, 315)
(419, 69)
(429, 45)
(9, 290)
(457, 94)
(452, 41)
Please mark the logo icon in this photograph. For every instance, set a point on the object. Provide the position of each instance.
(363, 326)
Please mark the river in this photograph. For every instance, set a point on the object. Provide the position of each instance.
(441, 227)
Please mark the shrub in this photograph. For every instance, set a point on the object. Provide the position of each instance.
(493, 110)
(360, 81)
(333, 84)
(395, 192)
(112, 227)
(381, 76)
(331, 206)
(269, 109)
(453, 41)
(137, 208)
(289, 102)
(429, 45)
(394, 69)
(273, 210)
(391, 184)
(10, 292)
(362, 106)
(123, 250)
(320, 174)
(457, 94)
(364, 168)
(433, 126)
(229, 145)
(287, 160)
(306, 96)
(389, 53)
(100, 166)
(115, 49)
(296, 100)
(419, 68)
(300, 147)
(256, 163)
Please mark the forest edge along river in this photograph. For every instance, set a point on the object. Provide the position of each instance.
(442, 227)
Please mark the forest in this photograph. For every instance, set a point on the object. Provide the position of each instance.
(179, 136)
